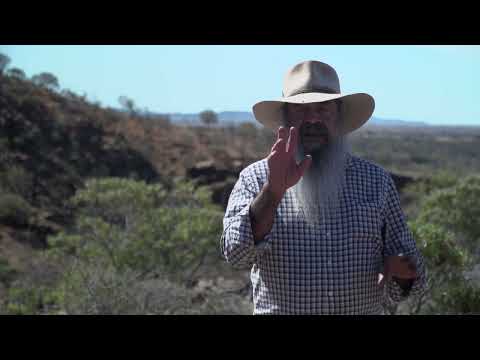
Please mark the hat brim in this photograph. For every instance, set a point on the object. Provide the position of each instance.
(356, 108)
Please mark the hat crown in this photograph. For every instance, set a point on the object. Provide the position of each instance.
(311, 76)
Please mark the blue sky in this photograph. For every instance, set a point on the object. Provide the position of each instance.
(434, 84)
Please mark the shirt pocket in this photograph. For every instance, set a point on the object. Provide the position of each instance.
(363, 225)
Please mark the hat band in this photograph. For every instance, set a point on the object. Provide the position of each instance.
(313, 90)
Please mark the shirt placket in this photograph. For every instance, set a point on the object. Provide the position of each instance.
(324, 266)
(329, 274)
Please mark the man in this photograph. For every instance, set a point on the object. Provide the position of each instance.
(321, 230)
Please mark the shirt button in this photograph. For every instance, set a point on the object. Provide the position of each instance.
(330, 293)
(328, 233)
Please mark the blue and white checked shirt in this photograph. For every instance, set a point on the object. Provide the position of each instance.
(329, 268)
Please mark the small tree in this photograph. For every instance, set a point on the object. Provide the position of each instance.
(127, 103)
(69, 95)
(16, 73)
(46, 80)
(208, 117)
(4, 61)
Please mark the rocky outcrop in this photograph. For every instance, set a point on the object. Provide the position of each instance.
(401, 180)
(222, 180)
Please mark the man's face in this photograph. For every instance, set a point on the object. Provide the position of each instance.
(317, 123)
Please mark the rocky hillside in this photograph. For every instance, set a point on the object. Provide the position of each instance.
(49, 145)
(51, 142)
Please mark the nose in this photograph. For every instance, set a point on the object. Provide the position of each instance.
(314, 118)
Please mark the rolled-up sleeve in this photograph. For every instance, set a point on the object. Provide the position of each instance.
(237, 244)
(398, 239)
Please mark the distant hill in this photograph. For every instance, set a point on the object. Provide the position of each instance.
(224, 117)
(245, 116)
(393, 122)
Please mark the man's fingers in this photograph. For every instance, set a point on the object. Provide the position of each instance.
(410, 263)
(292, 141)
(279, 145)
(381, 280)
(272, 154)
(282, 133)
(403, 267)
(384, 277)
(281, 142)
(411, 271)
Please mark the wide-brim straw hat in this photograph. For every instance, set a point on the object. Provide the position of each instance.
(313, 82)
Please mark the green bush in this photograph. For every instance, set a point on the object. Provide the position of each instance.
(15, 179)
(128, 233)
(100, 289)
(458, 209)
(439, 247)
(142, 227)
(462, 298)
(29, 299)
(7, 273)
(14, 209)
(447, 230)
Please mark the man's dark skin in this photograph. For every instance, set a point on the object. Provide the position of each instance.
(317, 123)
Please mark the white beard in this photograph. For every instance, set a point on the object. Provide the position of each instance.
(318, 192)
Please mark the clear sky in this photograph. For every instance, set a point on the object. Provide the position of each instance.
(434, 84)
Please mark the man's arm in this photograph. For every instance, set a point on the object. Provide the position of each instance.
(408, 275)
(250, 214)
(239, 245)
(262, 212)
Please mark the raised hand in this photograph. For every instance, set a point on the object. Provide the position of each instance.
(284, 172)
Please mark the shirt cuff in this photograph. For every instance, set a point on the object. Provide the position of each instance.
(265, 243)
